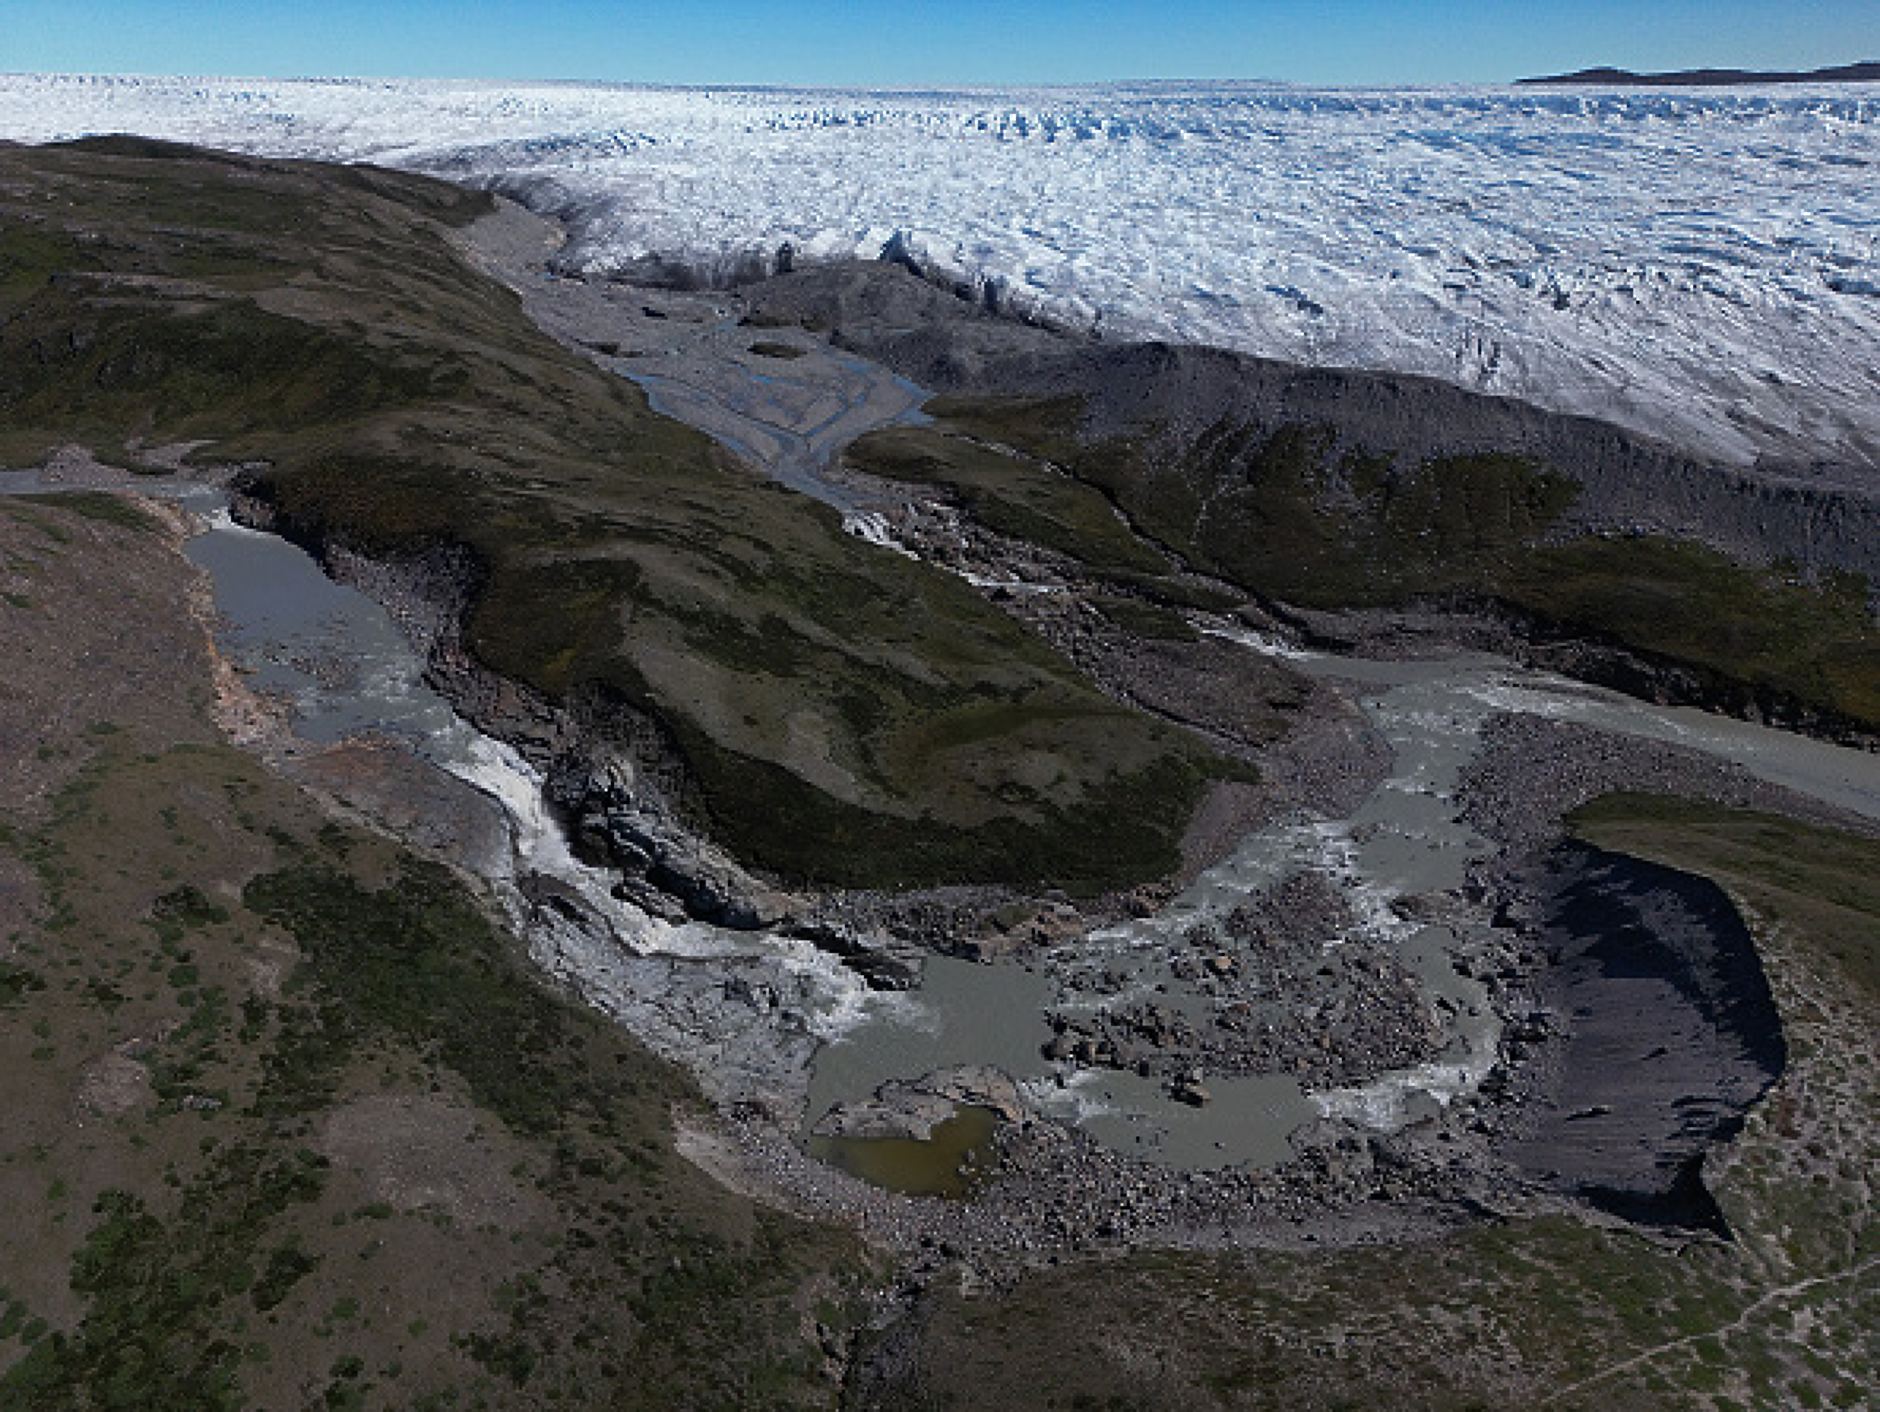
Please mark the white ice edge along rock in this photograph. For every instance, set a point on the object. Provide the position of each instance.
(873, 528)
(1702, 267)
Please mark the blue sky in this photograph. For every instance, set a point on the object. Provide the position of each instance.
(867, 42)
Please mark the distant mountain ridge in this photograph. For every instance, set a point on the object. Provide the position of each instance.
(1867, 71)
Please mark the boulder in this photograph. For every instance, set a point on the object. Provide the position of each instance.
(885, 964)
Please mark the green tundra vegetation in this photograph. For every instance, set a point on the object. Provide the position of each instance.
(844, 715)
(261, 1150)
(290, 1121)
(1521, 1311)
(1294, 517)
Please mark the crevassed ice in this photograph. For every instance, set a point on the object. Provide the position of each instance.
(1701, 266)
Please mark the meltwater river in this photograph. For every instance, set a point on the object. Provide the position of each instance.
(741, 1008)
(346, 671)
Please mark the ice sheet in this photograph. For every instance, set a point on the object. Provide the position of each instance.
(1701, 266)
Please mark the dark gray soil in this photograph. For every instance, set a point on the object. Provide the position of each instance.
(1822, 517)
(1650, 1029)
(1667, 1033)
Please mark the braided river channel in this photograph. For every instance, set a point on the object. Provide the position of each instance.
(758, 1016)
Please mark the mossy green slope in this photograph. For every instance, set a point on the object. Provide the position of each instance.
(846, 715)
(1009, 494)
(1292, 514)
(290, 1122)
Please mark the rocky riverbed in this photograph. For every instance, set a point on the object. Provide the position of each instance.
(1541, 1128)
(1054, 1188)
(1438, 993)
(1366, 1012)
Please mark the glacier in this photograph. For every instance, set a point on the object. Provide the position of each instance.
(1699, 266)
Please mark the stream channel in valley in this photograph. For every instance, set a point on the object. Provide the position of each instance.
(762, 1017)
(758, 1015)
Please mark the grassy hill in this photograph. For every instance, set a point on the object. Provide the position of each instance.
(843, 715)
(290, 1122)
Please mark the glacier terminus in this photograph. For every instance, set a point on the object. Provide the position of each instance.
(1699, 266)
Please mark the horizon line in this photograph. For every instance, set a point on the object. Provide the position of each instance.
(781, 86)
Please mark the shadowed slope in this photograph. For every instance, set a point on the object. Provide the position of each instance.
(841, 713)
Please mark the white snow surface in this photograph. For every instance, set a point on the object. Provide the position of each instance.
(1702, 266)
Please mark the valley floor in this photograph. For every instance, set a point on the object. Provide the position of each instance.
(295, 1122)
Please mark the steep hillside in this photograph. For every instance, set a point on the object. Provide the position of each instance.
(290, 1122)
(1331, 489)
(833, 712)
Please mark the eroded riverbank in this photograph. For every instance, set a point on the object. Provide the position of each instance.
(1310, 1029)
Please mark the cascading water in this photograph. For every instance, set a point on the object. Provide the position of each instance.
(769, 1019)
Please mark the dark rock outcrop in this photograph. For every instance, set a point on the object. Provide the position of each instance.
(1658, 1021)
(1867, 71)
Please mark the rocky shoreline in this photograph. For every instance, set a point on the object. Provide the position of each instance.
(1055, 1189)
(1496, 628)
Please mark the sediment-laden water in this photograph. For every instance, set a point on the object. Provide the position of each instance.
(765, 1018)
(744, 1010)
